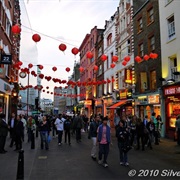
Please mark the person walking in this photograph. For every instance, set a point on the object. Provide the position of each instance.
(31, 126)
(12, 123)
(3, 133)
(67, 129)
(44, 130)
(92, 134)
(19, 132)
(59, 123)
(24, 124)
(116, 120)
(122, 135)
(156, 130)
(78, 124)
(140, 133)
(104, 139)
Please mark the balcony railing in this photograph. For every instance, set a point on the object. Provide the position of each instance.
(175, 74)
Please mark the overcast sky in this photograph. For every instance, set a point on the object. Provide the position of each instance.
(59, 21)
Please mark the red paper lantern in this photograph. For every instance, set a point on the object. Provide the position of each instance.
(47, 87)
(113, 65)
(153, 55)
(33, 72)
(81, 69)
(41, 76)
(138, 59)
(75, 50)
(30, 65)
(40, 67)
(54, 68)
(89, 55)
(96, 68)
(62, 47)
(127, 58)
(114, 58)
(36, 37)
(16, 29)
(124, 63)
(68, 69)
(146, 57)
(103, 57)
(19, 63)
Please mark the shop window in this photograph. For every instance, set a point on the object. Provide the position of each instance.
(100, 70)
(153, 84)
(150, 16)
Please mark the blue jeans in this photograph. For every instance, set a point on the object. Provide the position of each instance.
(122, 154)
(103, 149)
(44, 139)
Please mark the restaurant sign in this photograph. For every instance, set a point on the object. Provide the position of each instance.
(172, 90)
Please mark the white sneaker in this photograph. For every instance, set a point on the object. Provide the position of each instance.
(126, 164)
(105, 165)
(100, 162)
(121, 163)
(59, 144)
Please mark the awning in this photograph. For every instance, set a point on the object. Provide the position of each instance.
(116, 105)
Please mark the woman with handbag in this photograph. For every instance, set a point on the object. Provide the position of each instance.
(122, 135)
(44, 132)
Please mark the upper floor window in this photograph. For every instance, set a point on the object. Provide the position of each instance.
(171, 27)
(151, 44)
(8, 27)
(100, 69)
(109, 39)
(144, 82)
(140, 24)
(141, 50)
(150, 16)
(99, 51)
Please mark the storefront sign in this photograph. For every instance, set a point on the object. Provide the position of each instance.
(123, 94)
(88, 102)
(128, 76)
(98, 103)
(172, 90)
(153, 99)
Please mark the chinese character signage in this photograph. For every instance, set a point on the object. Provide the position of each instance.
(128, 76)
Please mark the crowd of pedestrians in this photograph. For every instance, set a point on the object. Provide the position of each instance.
(131, 132)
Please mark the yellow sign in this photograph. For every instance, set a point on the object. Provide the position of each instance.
(88, 102)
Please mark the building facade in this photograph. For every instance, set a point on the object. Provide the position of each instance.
(170, 53)
(147, 53)
(9, 49)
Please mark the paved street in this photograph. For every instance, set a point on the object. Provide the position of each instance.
(74, 162)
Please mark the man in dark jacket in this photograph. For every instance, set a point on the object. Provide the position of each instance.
(12, 123)
(19, 133)
(3, 133)
(67, 129)
(78, 124)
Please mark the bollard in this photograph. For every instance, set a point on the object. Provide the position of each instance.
(20, 168)
(32, 141)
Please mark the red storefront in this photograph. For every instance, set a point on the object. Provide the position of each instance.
(172, 107)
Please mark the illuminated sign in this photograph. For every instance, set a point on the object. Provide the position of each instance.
(123, 94)
(153, 99)
(88, 102)
(128, 76)
(172, 90)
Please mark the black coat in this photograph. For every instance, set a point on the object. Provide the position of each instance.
(19, 129)
(3, 128)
